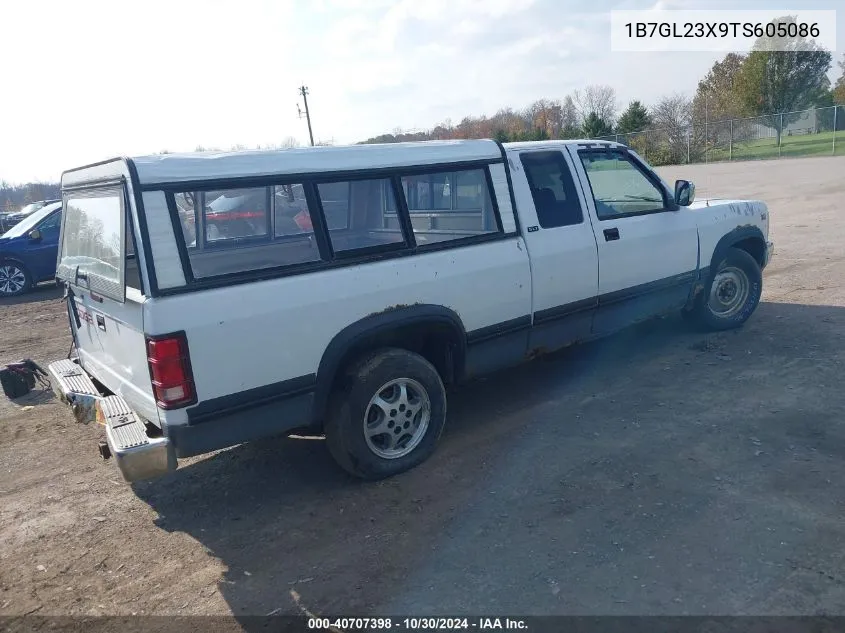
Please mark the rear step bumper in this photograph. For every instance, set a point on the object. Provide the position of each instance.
(138, 455)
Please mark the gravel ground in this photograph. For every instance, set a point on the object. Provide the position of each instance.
(660, 471)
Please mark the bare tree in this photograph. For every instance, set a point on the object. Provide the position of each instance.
(600, 100)
(545, 115)
(569, 120)
(671, 117)
(289, 142)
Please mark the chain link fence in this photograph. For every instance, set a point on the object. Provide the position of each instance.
(813, 132)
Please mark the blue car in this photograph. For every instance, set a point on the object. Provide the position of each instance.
(28, 250)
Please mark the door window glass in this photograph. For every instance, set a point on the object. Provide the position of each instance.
(552, 189)
(618, 185)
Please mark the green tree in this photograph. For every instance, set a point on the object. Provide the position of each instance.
(595, 126)
(501, 136)
(839, 86)
(717, 92)
(775, 84)
(635, 118)
(539, 134)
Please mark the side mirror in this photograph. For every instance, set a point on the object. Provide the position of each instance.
(684, 193)
(35, 235)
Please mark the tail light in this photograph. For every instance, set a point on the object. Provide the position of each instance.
(170, 370)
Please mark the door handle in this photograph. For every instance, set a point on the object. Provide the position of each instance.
(101, 322)
(611, 234)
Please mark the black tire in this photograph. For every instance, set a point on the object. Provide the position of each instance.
(737, 264)
(14, 279)
(350, 403)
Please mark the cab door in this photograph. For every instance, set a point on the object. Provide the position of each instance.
(561, 245)
(647, 247)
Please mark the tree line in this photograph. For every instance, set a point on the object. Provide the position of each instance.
(13, 197)
(772, 85)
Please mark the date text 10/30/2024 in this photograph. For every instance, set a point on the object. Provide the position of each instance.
(418, 624)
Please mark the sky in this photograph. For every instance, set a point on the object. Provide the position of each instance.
(86, 80)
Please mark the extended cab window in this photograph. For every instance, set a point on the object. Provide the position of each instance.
(92, 249)
(552, 189)
(239, 230)
(619, 186)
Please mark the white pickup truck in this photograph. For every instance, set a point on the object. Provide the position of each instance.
(216, 299)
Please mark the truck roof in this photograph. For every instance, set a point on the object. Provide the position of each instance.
(570, 141)
(199, 166)
(170, 168)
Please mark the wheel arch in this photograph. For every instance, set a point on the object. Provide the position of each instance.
(748, 238)
(433, 331)
(10, 257)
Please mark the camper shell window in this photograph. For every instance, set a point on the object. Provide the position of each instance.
(92, 251)
(324, 220)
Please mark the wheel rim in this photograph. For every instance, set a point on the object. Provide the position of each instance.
(397, 418)
(12, 279)
(728, 292)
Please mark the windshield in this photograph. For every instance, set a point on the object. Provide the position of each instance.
(28, 223)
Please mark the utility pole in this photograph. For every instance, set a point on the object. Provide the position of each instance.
(303, 90)
(705, 125)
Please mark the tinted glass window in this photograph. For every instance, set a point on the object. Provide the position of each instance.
(240, 230)
(52, 223)
(449, 205)
(355, 217)
(235, 214)
(552, 189)
(334, 197)
(290, 211)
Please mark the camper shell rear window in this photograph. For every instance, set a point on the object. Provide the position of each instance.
(92, 239)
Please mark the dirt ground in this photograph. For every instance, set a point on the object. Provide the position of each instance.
(660, 471)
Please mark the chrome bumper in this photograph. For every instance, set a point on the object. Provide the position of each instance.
(138, 456)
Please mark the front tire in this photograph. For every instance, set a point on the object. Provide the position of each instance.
(387, 414)
(14, 279)
(731, 294)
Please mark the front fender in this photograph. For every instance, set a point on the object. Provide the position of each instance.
(741, 235)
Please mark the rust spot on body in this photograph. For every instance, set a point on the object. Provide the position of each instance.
(536, 352)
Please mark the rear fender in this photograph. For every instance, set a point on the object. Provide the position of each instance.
(358, 336)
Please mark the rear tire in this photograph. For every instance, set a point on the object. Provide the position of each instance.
(14, 279)
(387, 414)
(731, 293)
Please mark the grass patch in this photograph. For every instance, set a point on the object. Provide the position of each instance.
(820, 144)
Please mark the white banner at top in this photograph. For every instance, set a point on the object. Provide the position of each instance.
(726, 31)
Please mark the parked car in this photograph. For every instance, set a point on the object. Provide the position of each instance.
(28, 250)
(8, 220)
(420, 265)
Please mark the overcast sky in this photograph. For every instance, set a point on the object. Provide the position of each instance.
(85, 80)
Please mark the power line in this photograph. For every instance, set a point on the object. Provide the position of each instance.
(303, 90)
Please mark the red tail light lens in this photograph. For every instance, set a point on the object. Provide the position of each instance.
(170, 370)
